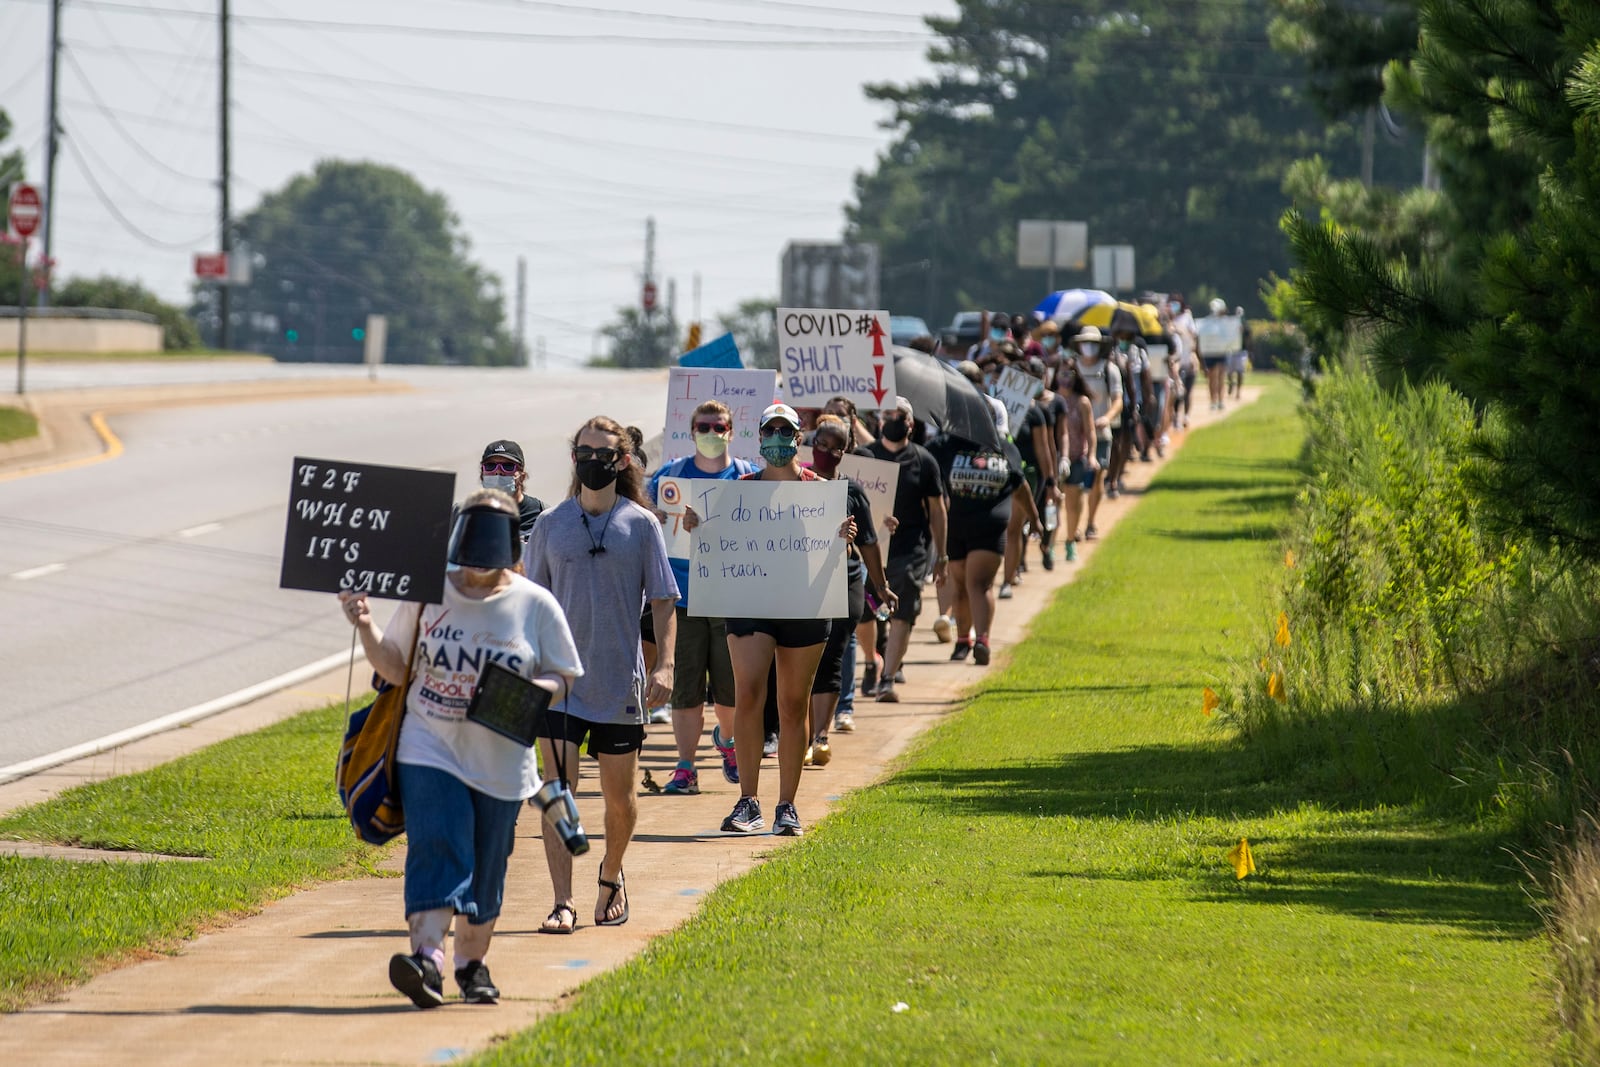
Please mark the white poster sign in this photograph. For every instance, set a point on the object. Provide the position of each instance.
(824, 354)
(746, 392)
(878, 478)
(768, 550)
(1220, 335)
(1016, 390)
(672, 500)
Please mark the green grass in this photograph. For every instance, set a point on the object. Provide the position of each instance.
(1043, 879)
(260, 808)
(16, 424)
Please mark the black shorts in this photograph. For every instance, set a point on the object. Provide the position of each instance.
(788, 633)
(829, 677)
(1211, 362)
(905, 580)
(605, 739)
(647, 626)
(982, 534)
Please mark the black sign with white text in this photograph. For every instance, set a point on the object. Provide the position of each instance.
(382, 531)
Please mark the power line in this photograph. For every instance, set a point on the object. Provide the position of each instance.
(138, 146)
(116, 212)
(24, 76)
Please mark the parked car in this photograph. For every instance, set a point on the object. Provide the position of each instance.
(966, 327)
(902, 328)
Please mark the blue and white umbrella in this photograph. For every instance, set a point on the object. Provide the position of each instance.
(1067, 305)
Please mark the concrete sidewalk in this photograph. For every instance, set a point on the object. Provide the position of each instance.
(305, 980)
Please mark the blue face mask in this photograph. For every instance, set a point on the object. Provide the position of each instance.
(778, 451)
(998, 335)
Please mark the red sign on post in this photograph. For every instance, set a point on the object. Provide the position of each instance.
(648, 296)
(24, 210)
(211, 265)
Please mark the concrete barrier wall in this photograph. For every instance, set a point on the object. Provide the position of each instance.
(81, 335)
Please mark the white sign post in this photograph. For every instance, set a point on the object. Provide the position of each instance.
(769, 550)
(746, 392)
(1113, 268)
(823, 354)
(1016, 390)
(373, 343)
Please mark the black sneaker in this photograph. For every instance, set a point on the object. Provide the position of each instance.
(745, 817)
(787, 822)
(417, 977)
(962, 651)
(476, 985)
(869, 679)
(980, 653)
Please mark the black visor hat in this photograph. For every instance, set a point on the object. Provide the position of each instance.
(486, 538)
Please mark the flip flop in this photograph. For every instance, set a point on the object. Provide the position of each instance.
(555, 915)
(615, 887)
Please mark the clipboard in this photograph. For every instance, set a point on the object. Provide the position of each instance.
(510, 705)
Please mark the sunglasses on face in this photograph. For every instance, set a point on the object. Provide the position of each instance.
(501, 468)
(897, 416)
(778, 429)
(710, 427)
(582, 454)
(832, 450)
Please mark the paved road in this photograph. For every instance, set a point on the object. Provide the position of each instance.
(147, 584)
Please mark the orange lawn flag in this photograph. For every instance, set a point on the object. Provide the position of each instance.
(1209, 700)
(1243, 862)
(1288, 558)
(1275, 688)
(1281, 638)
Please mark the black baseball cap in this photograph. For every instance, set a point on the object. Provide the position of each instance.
(504, 450)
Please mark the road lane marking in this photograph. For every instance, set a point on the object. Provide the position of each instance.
(203, 528)
(113, 449)
(39, 572)
(176, 719)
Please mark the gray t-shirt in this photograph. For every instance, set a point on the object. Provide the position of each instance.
(603, 595)
(1105, 384)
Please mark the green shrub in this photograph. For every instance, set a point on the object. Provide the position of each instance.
(1274, 344)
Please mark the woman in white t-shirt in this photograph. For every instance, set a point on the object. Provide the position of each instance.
(463, 784)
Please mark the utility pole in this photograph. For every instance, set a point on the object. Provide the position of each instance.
(649, 282)
(522, 309)
(52, 135)
(672, 300)
(696, 296)
(225, 289)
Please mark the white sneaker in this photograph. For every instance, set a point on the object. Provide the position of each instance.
(1005, 591)
(942, 627)
(660, 715)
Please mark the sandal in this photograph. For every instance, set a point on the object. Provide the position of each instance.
(616, 888)
(565, 918)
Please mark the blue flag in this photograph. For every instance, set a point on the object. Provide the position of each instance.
(719, 352)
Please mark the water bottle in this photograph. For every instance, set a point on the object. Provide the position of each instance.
(1052, 515)
(882, 614)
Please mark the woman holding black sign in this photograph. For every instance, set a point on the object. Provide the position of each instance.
(463, 784)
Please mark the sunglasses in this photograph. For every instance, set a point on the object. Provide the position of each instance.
(711, 427)
(778, 429)
(581, 454)
(501, 468)
(834, 451)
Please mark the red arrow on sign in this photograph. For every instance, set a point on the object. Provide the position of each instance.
(24, 209)
(876, 333)
(880, 392)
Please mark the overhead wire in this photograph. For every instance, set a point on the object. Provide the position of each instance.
(138, 146)
(110, 205)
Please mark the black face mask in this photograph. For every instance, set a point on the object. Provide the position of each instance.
(486, 538)
(897, 430)
(595, 474)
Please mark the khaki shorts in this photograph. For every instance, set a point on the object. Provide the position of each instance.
(701, 662)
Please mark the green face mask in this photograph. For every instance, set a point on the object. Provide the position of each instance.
(1122, 346)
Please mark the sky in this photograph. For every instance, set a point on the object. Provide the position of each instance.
(553, 128)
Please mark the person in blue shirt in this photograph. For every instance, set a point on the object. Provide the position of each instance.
(701, 659)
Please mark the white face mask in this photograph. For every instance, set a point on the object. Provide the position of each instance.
(506, 483)
(1089, 351)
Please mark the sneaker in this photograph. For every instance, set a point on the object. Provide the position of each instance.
(787, 822)
(980, 653)
(685, 781)
(1005, 591)
(899, 677)
(844, 723)
(869, 678)
(730, 762)
(887, 695)
(660, 715)
(1113, 492)
(943, 627)
(807, 761)
(1048, 558)
(769, 747)
(1090, 534)
(1072, 552)
(745, 817)
(418, 978)
(476, 985)
(963, 650)
(820, 755)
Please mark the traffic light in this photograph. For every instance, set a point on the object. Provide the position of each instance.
(358, 334)
(694, 336)
(292, 336)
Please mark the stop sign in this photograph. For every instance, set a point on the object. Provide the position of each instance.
(24, 210)
(648, 296)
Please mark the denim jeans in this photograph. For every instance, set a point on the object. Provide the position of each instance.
(457, 843)
(847, 691)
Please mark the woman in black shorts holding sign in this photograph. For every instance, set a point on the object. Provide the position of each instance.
(753, 644)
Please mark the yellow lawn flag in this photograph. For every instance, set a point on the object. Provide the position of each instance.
(1243, 862)
(1209, 700)
(1281, 638)
(1288, 558)
(1275, 688)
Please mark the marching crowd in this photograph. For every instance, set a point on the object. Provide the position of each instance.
(583, 600)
